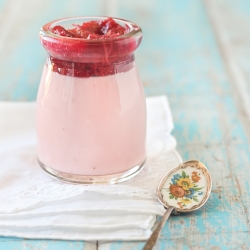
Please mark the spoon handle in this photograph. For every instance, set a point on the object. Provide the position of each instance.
(155, 235)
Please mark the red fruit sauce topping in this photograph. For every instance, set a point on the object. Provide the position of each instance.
(104, 29)
(98, 50)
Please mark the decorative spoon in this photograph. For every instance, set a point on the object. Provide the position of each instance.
(185, 188)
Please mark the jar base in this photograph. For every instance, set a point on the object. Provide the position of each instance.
(92, 179)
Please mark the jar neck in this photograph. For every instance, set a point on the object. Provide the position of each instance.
(83, 50)
(78, 69)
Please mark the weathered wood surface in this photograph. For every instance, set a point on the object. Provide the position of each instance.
(197, 53)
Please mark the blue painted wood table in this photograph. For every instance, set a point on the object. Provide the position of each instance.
(197, 53)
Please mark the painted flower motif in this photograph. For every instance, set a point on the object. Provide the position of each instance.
(195, 177)
(177, 191)
(184, 188)
(190, 193)
(176, 178)
(180, 205)
(185, 183)
(186, 201)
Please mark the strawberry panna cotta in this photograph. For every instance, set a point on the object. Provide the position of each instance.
(91, 110)
(102, 40)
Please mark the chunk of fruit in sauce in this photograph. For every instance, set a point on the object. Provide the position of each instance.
(104, 29)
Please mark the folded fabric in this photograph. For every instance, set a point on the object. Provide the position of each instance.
(33, 205)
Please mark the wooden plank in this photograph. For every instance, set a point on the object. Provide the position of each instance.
(231, 24)
(7, 243)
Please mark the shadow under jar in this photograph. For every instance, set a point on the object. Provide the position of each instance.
(91, 111)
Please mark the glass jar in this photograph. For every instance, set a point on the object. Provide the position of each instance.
(91, 112)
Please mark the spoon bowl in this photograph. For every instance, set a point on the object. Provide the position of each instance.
(186, 187)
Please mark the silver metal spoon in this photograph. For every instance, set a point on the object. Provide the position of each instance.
(185, 188)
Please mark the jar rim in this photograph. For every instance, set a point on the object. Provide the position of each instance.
(135, 30)
(89, 50)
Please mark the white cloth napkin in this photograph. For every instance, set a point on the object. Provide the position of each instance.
(33, 205)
